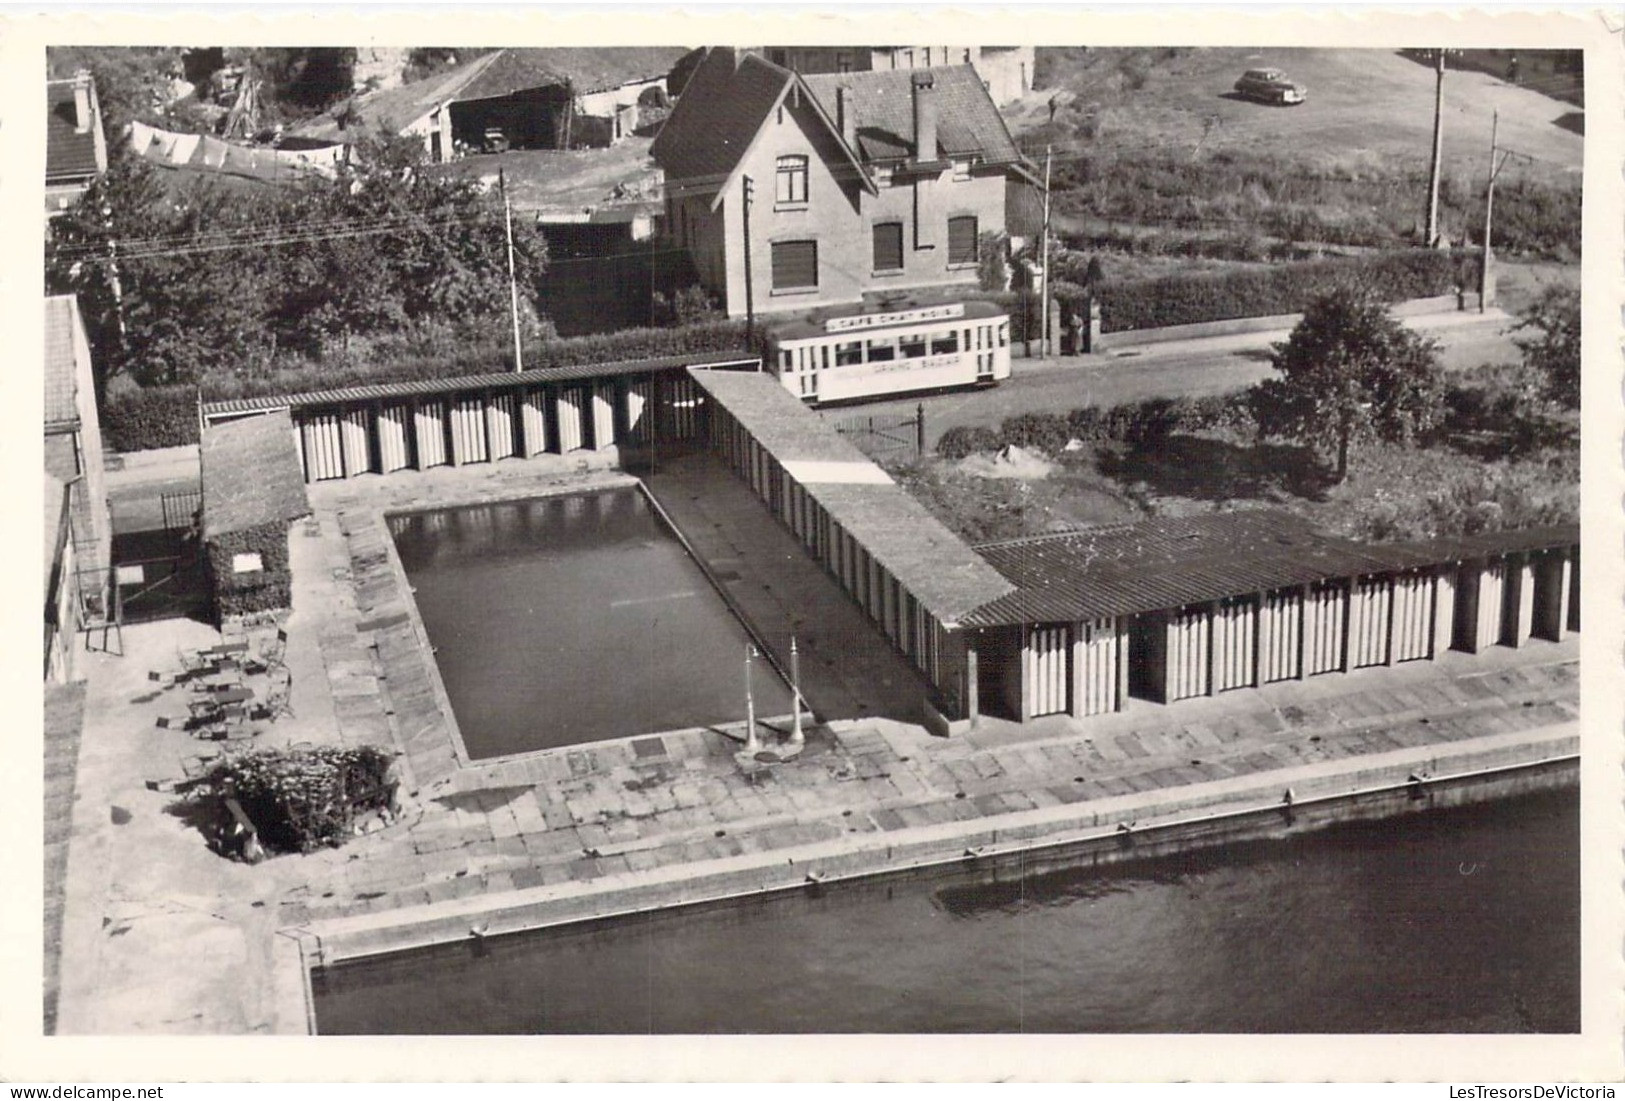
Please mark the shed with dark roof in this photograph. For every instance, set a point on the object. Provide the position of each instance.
(253, 489)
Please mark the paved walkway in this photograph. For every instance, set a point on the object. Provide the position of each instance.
(162, 936)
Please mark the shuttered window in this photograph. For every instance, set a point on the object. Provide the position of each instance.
(962, 240)
(889, 246)
(795, 265)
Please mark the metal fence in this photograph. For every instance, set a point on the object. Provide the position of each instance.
(886, 437)
(179, 508)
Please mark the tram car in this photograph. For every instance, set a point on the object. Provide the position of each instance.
(833, 355)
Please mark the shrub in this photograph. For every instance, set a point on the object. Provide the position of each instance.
(1265, 291)
(160, 416)
(1046, 432)
(302, 799)
(268, 589)
(961, 440)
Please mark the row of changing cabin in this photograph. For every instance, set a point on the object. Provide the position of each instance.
(344, 440)
(1289, 634)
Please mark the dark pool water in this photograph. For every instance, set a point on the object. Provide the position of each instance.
(1459, 920)
(573, 619)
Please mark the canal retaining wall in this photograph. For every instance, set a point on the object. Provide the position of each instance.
(1132, 825)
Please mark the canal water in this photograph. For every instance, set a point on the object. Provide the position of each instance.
(565, 620)
(1452, 920)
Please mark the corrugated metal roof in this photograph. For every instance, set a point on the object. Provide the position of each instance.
(250, 474)
(61, 368)
(942, 572)
(1454, 548)
(968, 124)
(1174, 561)
(505, 380)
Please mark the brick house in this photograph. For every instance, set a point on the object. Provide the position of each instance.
(853, 183)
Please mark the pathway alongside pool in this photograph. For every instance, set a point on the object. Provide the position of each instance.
(161, 936)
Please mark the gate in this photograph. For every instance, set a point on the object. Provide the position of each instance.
(179, 508)
(886, 437)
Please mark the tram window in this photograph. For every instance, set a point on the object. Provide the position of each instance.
(944, 343)
(848, 352)
(785, 359)
(882, 349)
(1004, 333)
(823, 356)
(912, 346)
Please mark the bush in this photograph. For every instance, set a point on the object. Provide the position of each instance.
(161, 416)
(1276, 289)
(302, 799)
(960, 441)
(1046, 432)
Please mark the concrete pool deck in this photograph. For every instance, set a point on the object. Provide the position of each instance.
(161, 936)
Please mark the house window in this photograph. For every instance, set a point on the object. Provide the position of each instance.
(795, 265)
(883, 177)
(889, 246)
(792, 180)
(962, 240)
(843, 62)
(246, 563)
(962, 170)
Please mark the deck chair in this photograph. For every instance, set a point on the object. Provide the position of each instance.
(270, 656)
(278, 699)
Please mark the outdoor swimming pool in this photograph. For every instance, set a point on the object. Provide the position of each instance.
(1446, 920)
(572, 619)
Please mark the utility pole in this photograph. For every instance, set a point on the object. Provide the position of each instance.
(1438, 149)
(1043, 305)
(750, 292)
(513, 281)
(1498, 160)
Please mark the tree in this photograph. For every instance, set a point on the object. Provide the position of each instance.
(1349, 371)
(1554, 355)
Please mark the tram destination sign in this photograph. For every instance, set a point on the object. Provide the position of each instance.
(899, 317)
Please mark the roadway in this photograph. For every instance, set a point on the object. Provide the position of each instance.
(1181, 368)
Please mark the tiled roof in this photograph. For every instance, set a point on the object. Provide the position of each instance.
(502, 73)
(942, 572)
(506, 380)
(69, 155)
(587, 68)
(60, 368)
(722, 107)
(251, 474)
(968, 124)
(393, 109)
(1174, 561)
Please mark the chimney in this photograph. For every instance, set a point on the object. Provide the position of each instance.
(81, 101)
(846, 115)
(925, 115)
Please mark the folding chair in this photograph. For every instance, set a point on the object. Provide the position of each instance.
(278, 698)
(270, 656)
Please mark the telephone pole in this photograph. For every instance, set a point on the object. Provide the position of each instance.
(1498, 160)
(513, 282)
(750, 292)
(1043, 305)
(1438, 149)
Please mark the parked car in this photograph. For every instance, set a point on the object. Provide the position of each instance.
(1270, 86)
(496, 140)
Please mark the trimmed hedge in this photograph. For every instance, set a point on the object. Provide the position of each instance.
(271, 589)
(1139, 423)
(1277, 288)
(160, 416)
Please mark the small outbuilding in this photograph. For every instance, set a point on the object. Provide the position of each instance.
(253, 488)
